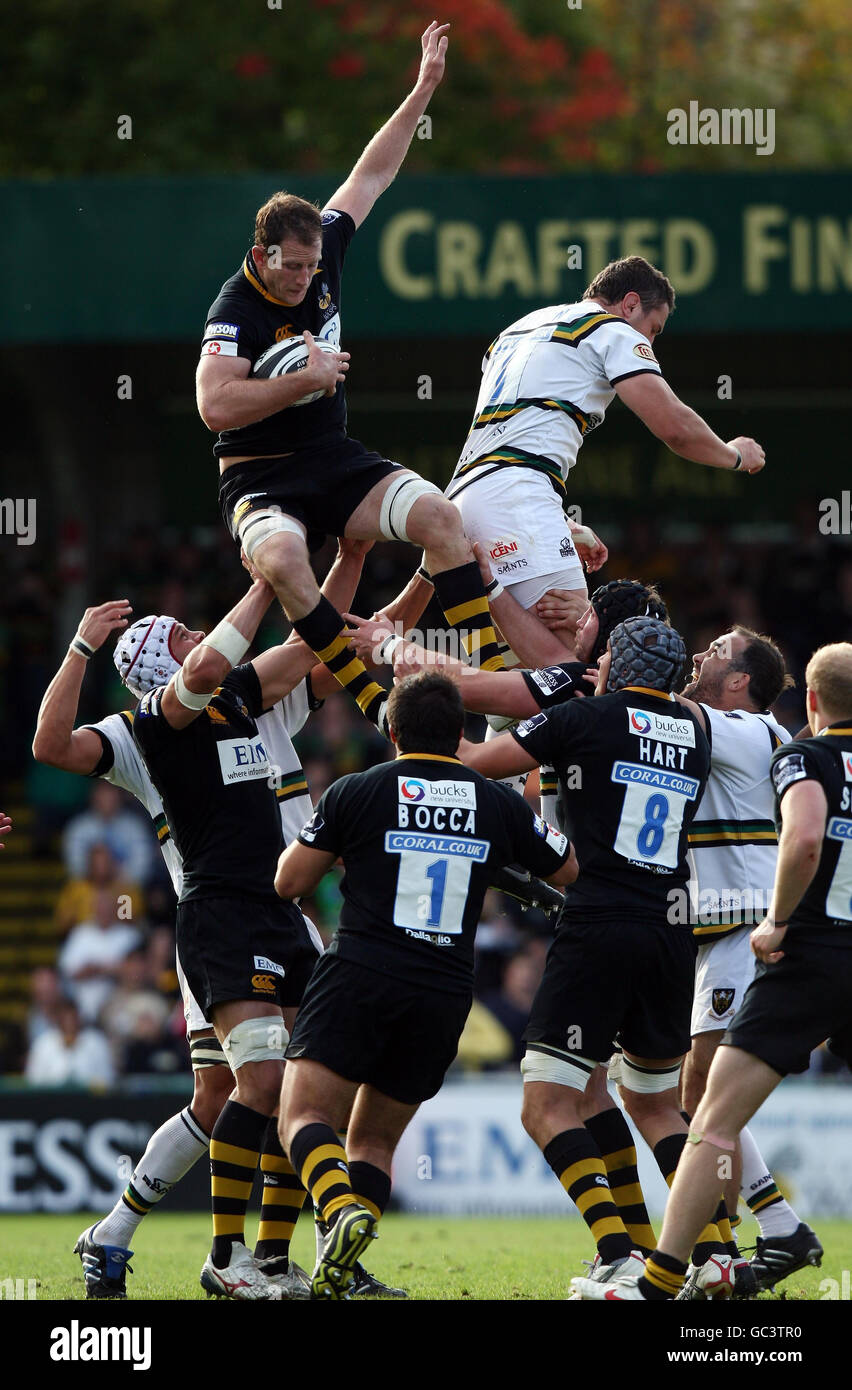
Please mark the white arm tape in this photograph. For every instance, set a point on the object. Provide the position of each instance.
(228, 642)
(188, 698)
(388, 649)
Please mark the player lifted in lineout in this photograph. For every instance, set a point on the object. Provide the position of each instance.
(290, 474)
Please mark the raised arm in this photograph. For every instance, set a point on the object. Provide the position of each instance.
(207, 665)
(379, 164)
(57, 743)
(678, 426)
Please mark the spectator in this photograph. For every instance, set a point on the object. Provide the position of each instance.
(70, 1053)
(511, 1004)
(76, 902)
(109, 821)
(47, 998)
(90, 961)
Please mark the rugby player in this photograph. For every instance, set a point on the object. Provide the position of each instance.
(733, 852)
(802, 990)
(382, 1016)
(632, 765)
(289, 473)
(107, 749)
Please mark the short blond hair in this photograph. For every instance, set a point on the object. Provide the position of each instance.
(829, 675)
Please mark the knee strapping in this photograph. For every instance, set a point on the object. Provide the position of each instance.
(256, 1040)
(257, 527)
(647, 1081)
(397, 503)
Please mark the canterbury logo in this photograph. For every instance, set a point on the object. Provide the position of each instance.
(264, 983)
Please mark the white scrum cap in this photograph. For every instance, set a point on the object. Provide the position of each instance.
(143, 655)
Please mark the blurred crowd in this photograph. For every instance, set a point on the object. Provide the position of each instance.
(110, 1006)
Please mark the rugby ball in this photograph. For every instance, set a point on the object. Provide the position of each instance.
(291, 355)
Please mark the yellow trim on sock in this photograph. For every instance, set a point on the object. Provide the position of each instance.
(641, 1235)
(628, 1196)
(725, 1230)
(607, 1226)
(348, 1199)
(622, 1158)
(275, 1230)
(333, 1178)
(760, 1202)
(593, 1198)
(230, 1187)
(711, 1233)
(663, 1278)
(583, 1168)
(371, 1206)
(473, 608)
(332, 650)
(224, 1225)
(230, 1153)
(283, 1197)
(272, 1163)
(142, 1211)
(319, 1155)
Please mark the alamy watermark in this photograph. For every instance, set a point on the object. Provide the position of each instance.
(18, 518)
(728, 126)
(836, 515)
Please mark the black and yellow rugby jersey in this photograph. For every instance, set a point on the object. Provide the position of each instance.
(217, 787)
(631, 768)
(245, 319)
(824, 915)
(420, 839)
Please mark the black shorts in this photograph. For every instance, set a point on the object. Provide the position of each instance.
(370, 1028)
(628, 982)
(244, 948)
(320, 487)
(791, 1007)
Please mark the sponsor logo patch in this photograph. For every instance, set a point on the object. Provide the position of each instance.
(398, 840)
(511, 565)
(271, 966)
(264, 984)
(788, 770)
(566, 549)
(549, 679)
(721, 1001)
(527, 725)
(242, 760)
(656, 777)
(310, 831)
(447, 793)
(222, 330)
(665, 728)
(644, 351)
(847, 764)
(503, 548)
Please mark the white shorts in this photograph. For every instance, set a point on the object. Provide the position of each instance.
(723, 972)
(516, 515)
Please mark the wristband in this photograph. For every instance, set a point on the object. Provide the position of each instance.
(387, 650)
(228, 642)
(79, 645)
(424, 574)
(188, 698)
(739, 462)
(777, 924)
(494, 589)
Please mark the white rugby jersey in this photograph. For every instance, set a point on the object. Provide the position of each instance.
(733, 846)
(546, 383)
(276, 725)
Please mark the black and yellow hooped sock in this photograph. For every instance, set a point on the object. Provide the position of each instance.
(611, 1133)
(667, 1153)
(234, 1151)
(663, 1277)
(576, 1160)
(319, 1158)
(461, 594)
(322, 629)
(283, 1197)
(371, 1185)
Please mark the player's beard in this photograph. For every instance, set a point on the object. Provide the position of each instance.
(703, 688)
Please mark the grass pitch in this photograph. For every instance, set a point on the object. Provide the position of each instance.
(440, 1258)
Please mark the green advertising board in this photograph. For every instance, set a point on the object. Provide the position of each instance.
(111, 260)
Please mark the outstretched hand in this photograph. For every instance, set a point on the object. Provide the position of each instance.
(366, 635)
(98, 623)
(434, 45)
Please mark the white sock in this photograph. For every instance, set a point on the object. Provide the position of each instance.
(172, 1150)
(777, 1219)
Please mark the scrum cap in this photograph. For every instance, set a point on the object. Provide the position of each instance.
(619, 600)
(143, 655)
(646, 651)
